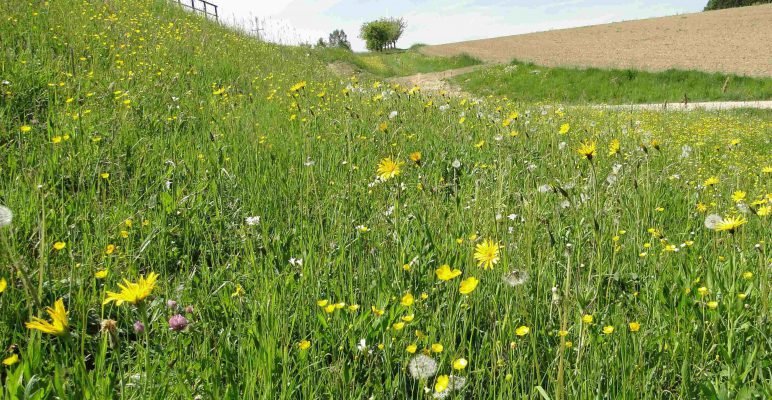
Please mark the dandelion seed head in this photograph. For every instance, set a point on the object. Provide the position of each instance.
(712, 220)
(422, 367)
(6, 216)
(515, 277)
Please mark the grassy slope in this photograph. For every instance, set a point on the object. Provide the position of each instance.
(396, 62)
(159, 133)
(529, 82)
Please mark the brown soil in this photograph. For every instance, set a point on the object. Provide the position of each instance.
(737, 40)
(436, 81)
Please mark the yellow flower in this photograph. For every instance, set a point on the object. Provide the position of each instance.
(747, 275)
(110, 249)
(415, 157)
(441, 384)
(133, 292)
(101, 274)
(353, 307)
(587, 150)
(407, 300)
(738, 196)
(388, 168)
(411, 348)
(562, 333)
(25, 128)
(613, 147)
(702, 290)
(710, 181)
(459, 363)
(634, 326)
(104, 175)
(712, 305)
(13, 359)
(408, 318)
(298, 86)
(304, 345)
(522, 330)
(444, 273)
(59, 245)
(59, 323)
(587, 318)
(608, 329)
(238, 292)
(468, 285)
(3, 285)
(376, 311)
(730, 224)
(564, 128)
(438, 347)
(487, 254)
(398, 326)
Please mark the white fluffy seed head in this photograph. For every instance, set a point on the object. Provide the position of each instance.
(712, 220)
(6, 216)
(422, 367)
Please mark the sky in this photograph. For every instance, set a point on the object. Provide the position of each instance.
(435, 21)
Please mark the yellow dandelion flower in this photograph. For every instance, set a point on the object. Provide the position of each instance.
(487, 254)
(59, 323)
(133, 292)
(738, 196)
(730, 224)
(304, 345)
(389, 168)
(565, 128)
(613, 147)
(587, 150)
(634, 326)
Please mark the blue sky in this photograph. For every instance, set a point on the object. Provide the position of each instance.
(435, 21)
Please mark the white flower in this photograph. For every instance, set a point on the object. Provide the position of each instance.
(309, 162)
(422, 367)
(545, 188)
(251, 221)
(362, 345)
(6, 216)
(512, 217)
(298, 262)
(393, 114)
(456, 164)
(712, 220)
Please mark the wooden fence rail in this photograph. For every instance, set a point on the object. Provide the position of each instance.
(202, 7)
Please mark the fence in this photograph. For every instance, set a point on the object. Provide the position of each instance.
(202, 7)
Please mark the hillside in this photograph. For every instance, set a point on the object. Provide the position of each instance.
(189, 213)
(737, 41)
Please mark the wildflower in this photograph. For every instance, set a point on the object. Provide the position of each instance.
(378, 312)
(139, 327)
(178, 323)
(171, 304)
(238, 292)
(11, 360)
(437, 347)
(60, 245)
(298, 86)
(712, 305)
(608, 329)
(397, 326)
(108, 326)
(634, 326)
(422, 367)
(133, 292)
(613, 147)
(444, 273)
(564, 128)
(6, 216)
(487, 254)
(468, 285)
(515, 277)
(522, 330)
(3, 285)
(104, 175)
(703, 290)
(710, 181)
(441, 384)
(59, 323)
(747, 275)
(407, 300)
(412, 348)
(738, 196)
(730, 224)
(101, 274)
(25, 128)
(587, 318)
(587, 150)
(562, 333)
(251, 221)
(304, 345)
(415, 157)
(459, 363)
(388, 168)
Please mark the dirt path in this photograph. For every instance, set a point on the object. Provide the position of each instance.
(702, 105)
(436, 81)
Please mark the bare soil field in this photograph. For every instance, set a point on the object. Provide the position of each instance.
(737, 41)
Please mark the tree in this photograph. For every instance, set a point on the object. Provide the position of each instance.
(721, 4)
(382, 33)
(339, 39)
(321, 43)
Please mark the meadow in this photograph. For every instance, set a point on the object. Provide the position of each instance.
(393, 63)
(527, 82)
(190, 213)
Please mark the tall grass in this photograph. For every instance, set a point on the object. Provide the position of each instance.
(395, 62)
(521, 81)
(137, 138)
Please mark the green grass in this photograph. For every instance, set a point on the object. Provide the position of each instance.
(142, 137)
(532, 83)
(394, 63)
